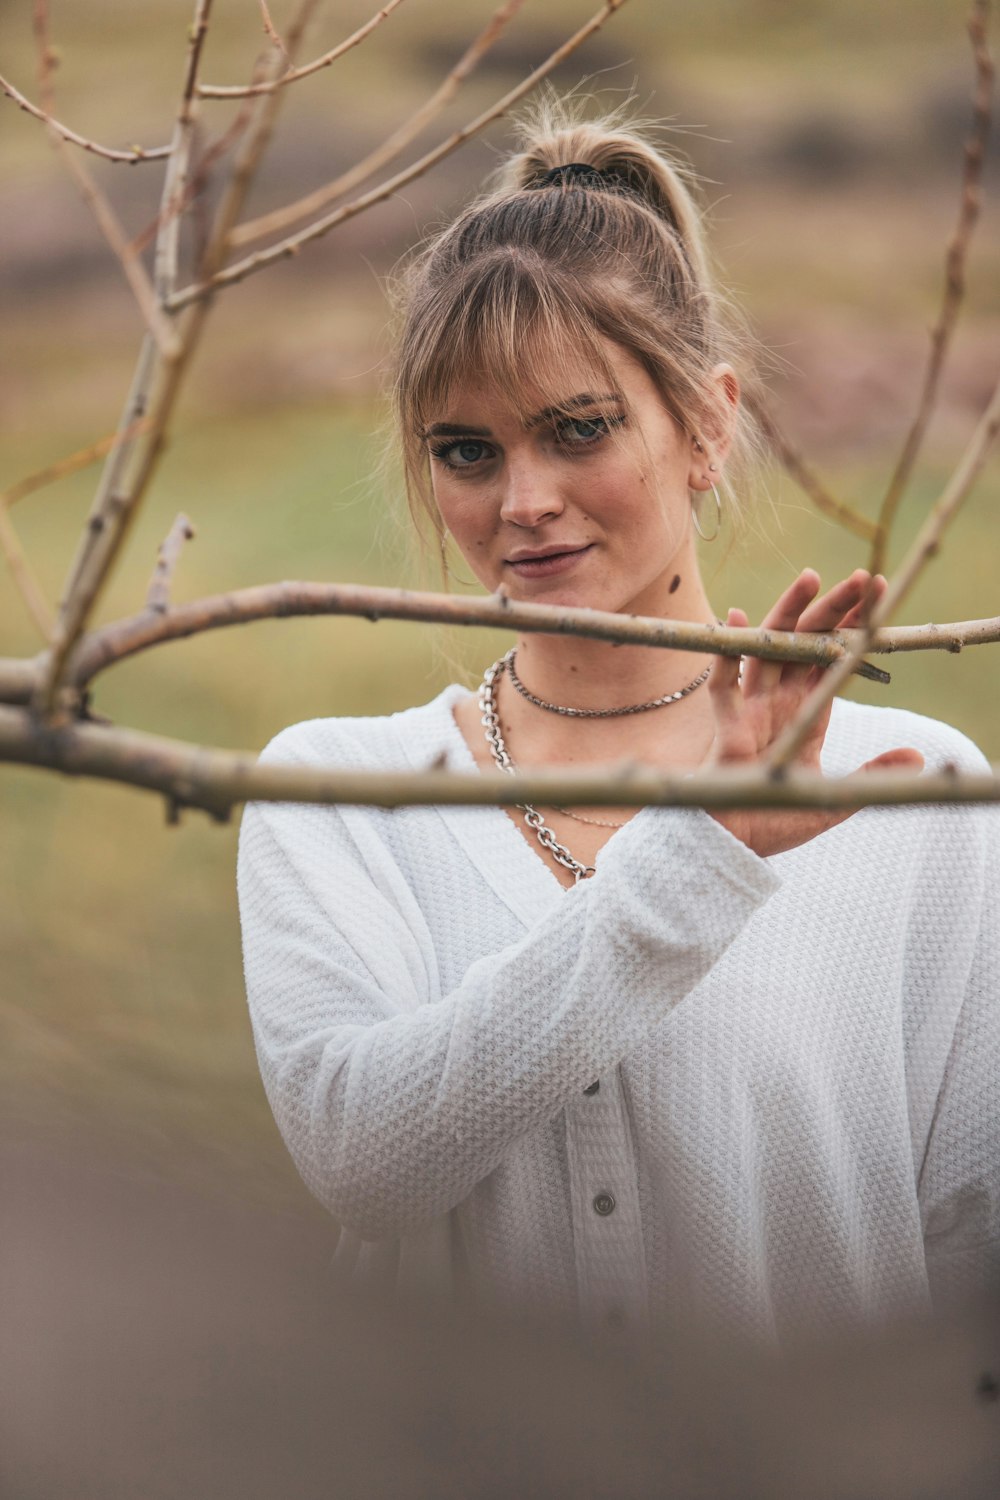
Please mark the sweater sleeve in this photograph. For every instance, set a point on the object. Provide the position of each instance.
(394, 1108)
(960, 1177)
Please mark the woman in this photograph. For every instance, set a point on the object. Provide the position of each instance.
(626, 1066)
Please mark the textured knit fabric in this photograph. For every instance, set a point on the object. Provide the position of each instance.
(798, 1058)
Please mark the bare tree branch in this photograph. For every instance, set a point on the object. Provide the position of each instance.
(114, 510)
(925, 545)
(132, 155)
(114, 642)
(294, 243)
(117, 641)
(954, 287)
(238, 91)
(158, 594)
(807, 480)
(218, 780)
(390, 148)
(107, 503)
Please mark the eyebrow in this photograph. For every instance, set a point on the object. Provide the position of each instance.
(537, 419)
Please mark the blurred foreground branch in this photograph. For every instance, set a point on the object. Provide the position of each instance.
(216, 781)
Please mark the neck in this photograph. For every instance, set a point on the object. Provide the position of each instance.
(579, 673)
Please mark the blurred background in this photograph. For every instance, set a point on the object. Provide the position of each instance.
(828, 136)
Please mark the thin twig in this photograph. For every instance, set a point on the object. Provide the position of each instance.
(954, 282)
(81, 459)
(167, 558)
(132, 155)
(20, 568)
(219, 780)
(244, 91)
(294, 243)
(795, 464)
(271, 29)
(27, 584)
(390, 148)
(925, 545)
(169, 220)
(97, 201)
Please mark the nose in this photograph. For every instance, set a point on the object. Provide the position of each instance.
(531, 495)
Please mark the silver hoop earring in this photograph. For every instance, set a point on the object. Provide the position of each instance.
(710, 535)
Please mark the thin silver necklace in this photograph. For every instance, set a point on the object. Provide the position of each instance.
(600, 713)
(533, 818)
(597, 713)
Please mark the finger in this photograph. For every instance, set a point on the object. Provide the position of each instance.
(724, 678)
(830, 610)
(761, 676)
(905, 758)
(840, 608)
(857, 616)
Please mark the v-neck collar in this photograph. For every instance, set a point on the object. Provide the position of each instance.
(488, 836)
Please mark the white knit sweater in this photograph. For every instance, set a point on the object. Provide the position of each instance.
(798, 1058)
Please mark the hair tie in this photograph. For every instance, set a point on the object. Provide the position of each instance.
(583, 172)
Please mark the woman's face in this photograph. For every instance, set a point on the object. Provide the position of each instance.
(584, 501)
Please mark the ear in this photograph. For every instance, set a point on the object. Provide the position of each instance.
(712, 444)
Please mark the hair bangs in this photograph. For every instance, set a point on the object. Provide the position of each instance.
(520, 327)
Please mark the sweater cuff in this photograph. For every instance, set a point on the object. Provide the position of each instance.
(689, 837)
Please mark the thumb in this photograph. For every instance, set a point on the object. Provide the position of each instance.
(895, 760)
(903, 759)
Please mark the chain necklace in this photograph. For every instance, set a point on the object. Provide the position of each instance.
(533, 818)
(600, 713)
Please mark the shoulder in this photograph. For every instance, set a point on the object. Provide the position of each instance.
(411, 738)
(935, 838)
(860, 731)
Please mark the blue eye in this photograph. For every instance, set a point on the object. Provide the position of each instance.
(461, 454)
(584, 432)
(582, 429)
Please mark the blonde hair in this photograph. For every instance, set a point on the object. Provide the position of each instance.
(542, 269)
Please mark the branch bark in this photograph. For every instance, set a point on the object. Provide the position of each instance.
(158, 594)
(113, 643)
(216, 781)
(116, 642)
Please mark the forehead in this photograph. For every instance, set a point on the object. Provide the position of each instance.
(543, 382)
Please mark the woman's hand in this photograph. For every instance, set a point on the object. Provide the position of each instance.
(751, 713)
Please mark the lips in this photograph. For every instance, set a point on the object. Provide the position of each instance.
(543, 564)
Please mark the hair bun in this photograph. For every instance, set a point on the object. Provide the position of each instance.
(606, 154)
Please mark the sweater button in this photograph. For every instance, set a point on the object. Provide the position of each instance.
(604, 1204)
(593, 1087)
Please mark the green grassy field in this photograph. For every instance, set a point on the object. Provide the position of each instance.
(121, 1002)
